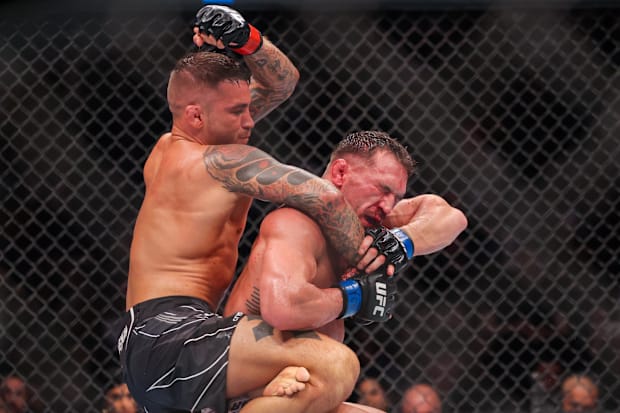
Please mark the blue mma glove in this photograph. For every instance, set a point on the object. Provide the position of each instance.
(368, 297)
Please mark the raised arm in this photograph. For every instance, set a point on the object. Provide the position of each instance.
(250, 171)
(274, 76)
(429, 221)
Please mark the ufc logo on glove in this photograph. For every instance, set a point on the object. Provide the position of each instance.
(368, 297)
(381, 297)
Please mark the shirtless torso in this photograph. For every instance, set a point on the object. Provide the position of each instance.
(291, 275)
(262, 279)
(200, 180)
(187, 233)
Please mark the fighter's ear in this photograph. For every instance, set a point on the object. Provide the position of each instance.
(194, 116)
(338, 170)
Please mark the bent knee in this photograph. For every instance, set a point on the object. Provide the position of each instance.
(352, 366)
(341, 369)
(349, 362)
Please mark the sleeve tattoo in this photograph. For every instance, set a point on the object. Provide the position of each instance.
(250, 171)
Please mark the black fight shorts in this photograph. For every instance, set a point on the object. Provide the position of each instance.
(174, 355)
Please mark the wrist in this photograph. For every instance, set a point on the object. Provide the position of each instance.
(351, 297)
(405, 241)
(254, 43)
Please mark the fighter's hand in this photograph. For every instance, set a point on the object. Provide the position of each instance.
(224, 27)
(371, 260)
(392, 245)
(201, 39)
(368, 297)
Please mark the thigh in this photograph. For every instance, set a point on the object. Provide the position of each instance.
(258, 352)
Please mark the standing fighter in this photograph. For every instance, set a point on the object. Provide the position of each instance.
(292, 278)
(200, 178)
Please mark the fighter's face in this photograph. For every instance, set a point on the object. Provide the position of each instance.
(227, 114)
(373, 188)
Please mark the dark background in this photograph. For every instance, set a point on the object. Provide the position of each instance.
(510, 108)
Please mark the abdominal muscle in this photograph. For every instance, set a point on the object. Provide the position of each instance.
(196, 263)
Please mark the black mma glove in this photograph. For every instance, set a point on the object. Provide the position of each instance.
(393, 243)
(230, 27)
(368, 297)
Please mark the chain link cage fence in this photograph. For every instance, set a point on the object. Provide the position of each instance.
(512, 114)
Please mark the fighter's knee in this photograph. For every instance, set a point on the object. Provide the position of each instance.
(341, 371)
(351, 367)
(349, 363)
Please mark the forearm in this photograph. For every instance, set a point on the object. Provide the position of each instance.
(250, 171)
(308, 308)
(274, 78)
(322, 202)
(338, 221)
(430, 222)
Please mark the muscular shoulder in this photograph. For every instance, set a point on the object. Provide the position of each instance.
(173, 154)
(290, 223)
(183, 159)
(175, 173)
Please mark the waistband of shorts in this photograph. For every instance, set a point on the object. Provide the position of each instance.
(154, 306)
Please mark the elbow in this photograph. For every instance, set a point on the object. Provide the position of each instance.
(279, 323)
(294, 76)
(278, 317)
(287, 314)
(272, 309)
(330, 195)
(290, 84)
(456, 216)
(460, 219)
(318, 191)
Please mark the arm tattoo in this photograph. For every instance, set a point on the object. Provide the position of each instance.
(274, 79)
(253, 303)
(247, 170)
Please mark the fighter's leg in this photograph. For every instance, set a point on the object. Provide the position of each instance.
(258, 353)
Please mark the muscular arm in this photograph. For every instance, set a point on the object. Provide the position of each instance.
(293, 295)
(430, 222)
(274, 78)
(250, 171)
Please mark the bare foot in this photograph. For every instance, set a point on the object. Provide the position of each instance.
(289, 381)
